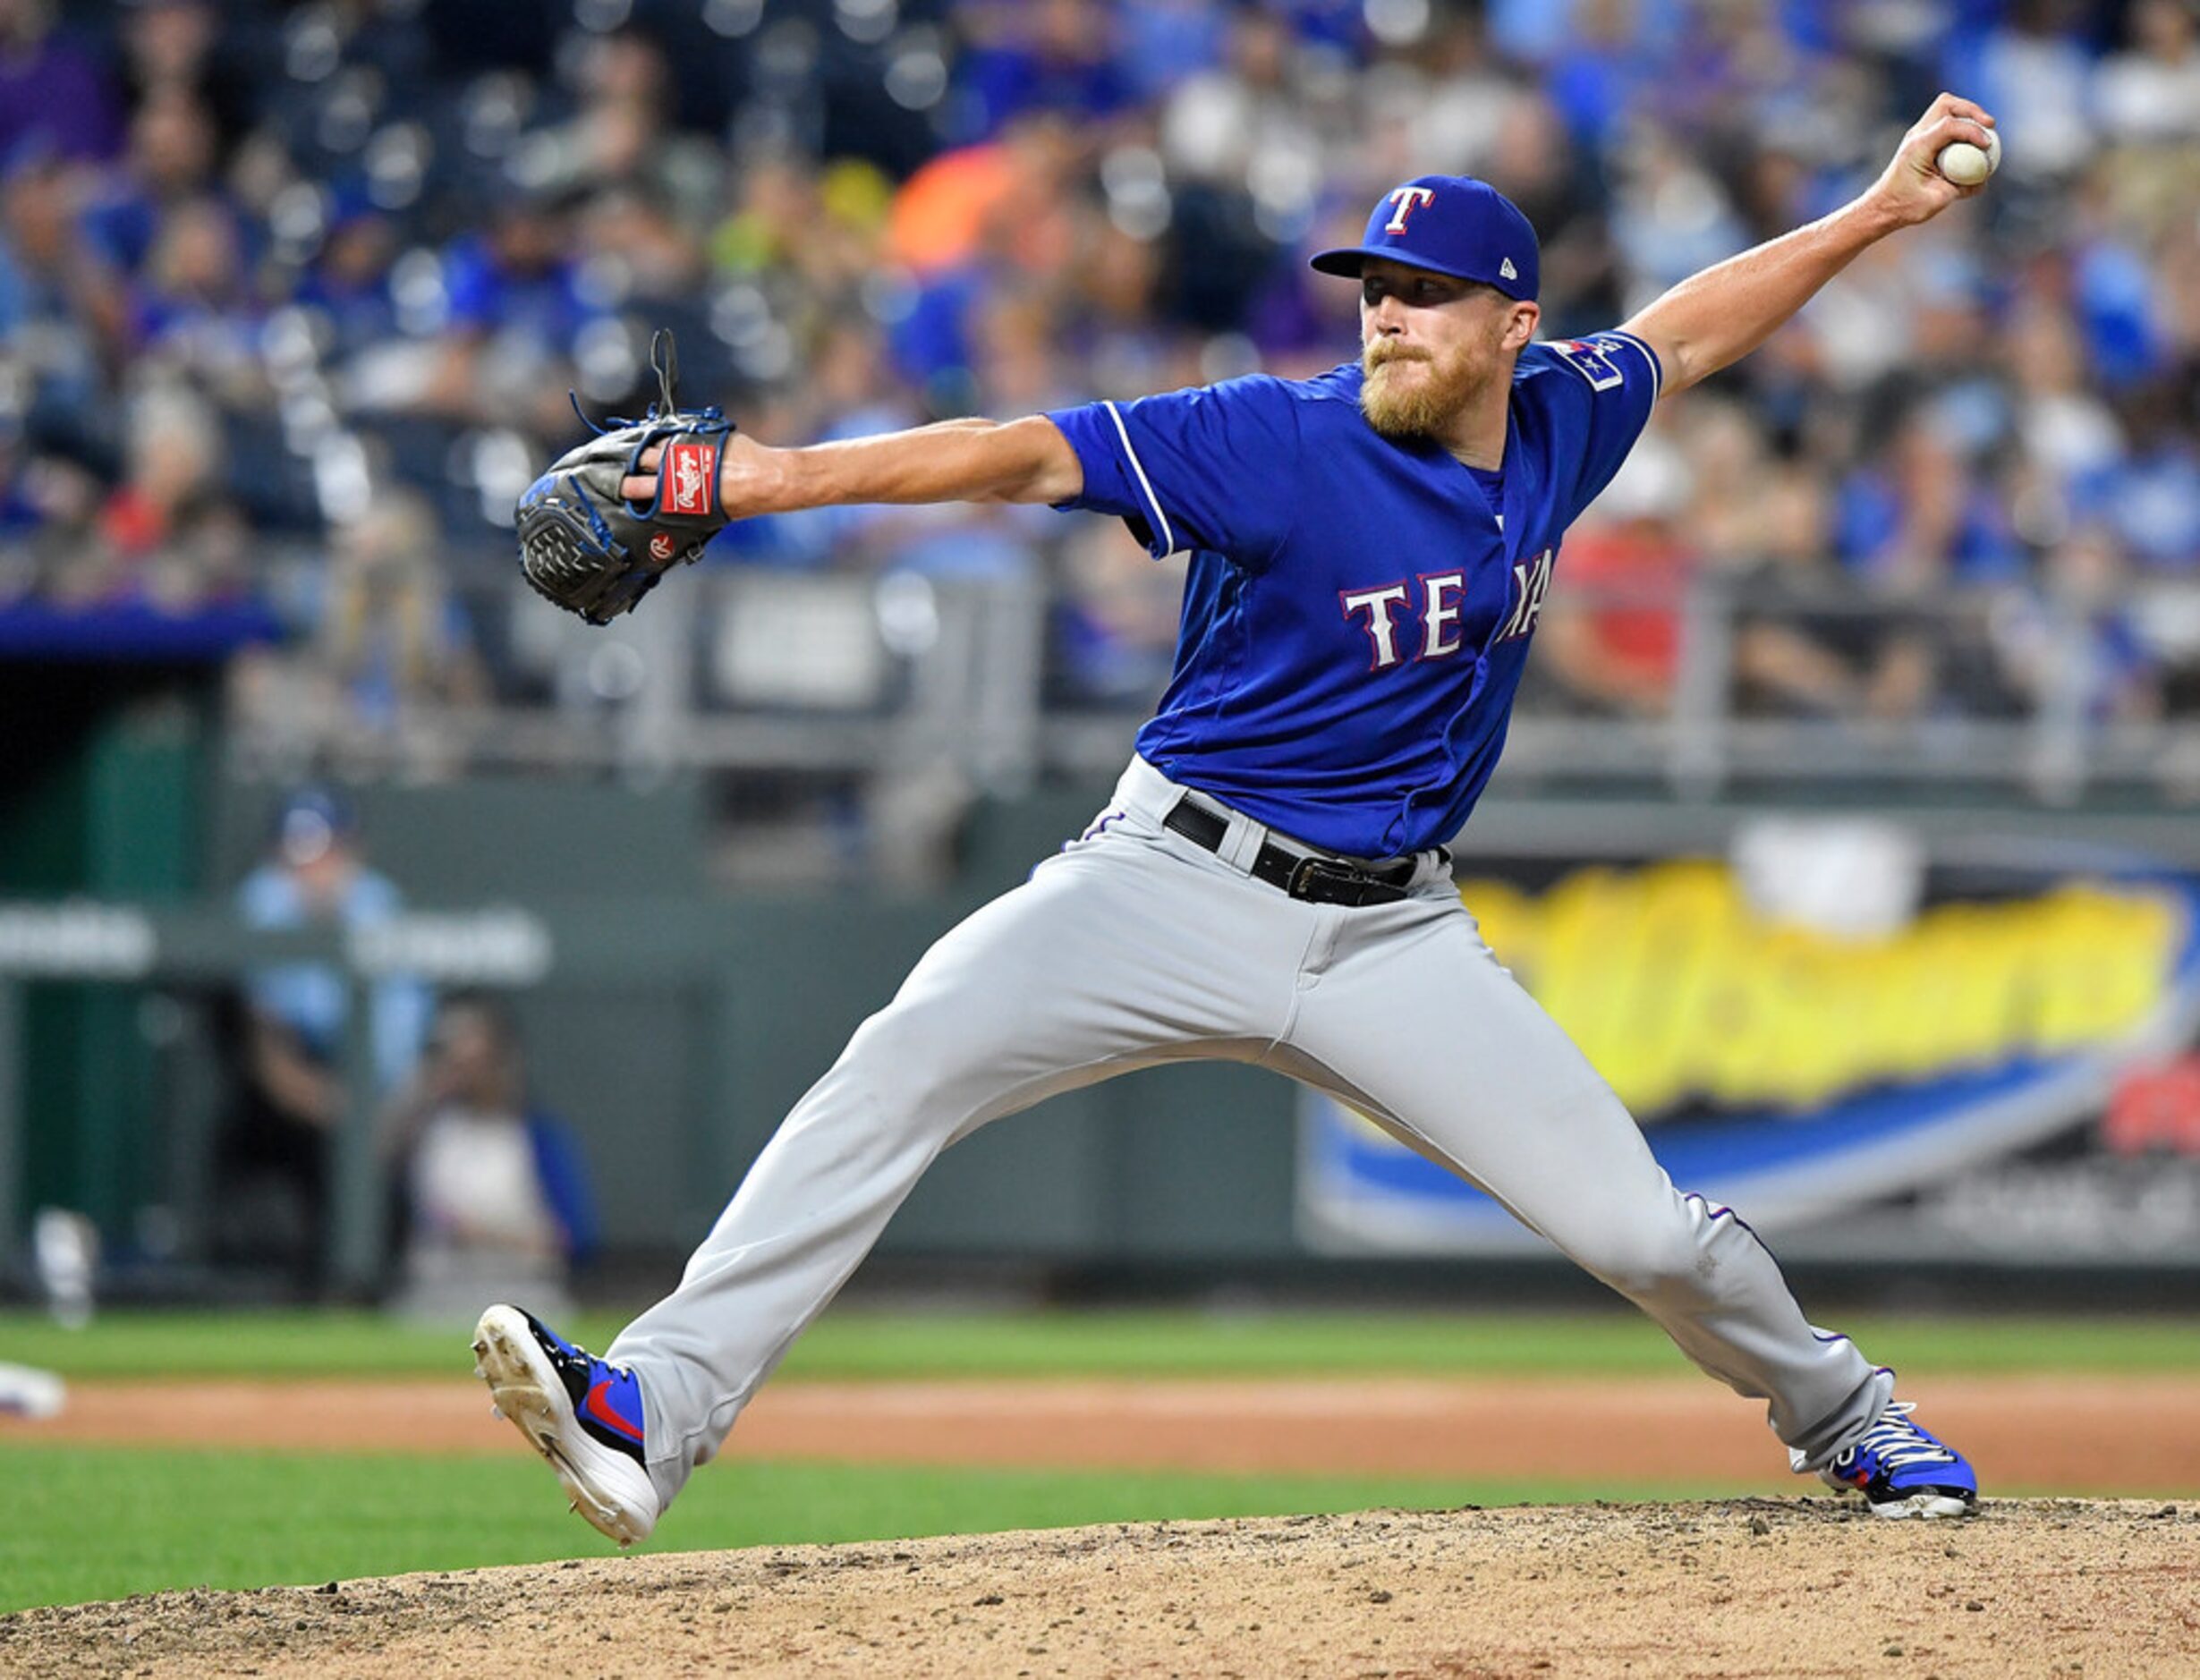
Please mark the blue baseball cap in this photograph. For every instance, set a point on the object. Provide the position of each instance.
(1452, 224)
(312, 820)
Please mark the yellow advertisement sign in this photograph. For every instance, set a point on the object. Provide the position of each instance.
(1677, 990)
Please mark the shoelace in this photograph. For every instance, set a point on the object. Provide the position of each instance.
(1898, 1442)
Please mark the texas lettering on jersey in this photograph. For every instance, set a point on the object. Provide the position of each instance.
(1435, 600)
(1328, 701)
(1531, 583)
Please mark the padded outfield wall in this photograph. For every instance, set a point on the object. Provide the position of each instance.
(1959, 1037)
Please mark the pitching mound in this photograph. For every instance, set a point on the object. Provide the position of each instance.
(1754, 1586)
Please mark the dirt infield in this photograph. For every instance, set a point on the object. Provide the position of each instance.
(1744, 1587)
(1750, 1586)
(2127, 1435)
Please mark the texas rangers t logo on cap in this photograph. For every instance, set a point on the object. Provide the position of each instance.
(1408, 199)
(1451, 225)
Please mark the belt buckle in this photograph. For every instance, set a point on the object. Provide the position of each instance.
(1307, 871)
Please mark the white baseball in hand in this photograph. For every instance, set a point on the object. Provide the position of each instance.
(1966, 165)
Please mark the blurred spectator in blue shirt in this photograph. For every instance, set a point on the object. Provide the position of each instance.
(2072, 641)
(1598, 70)
(2150, 496)
(1918, 513)
(516, 298)
(1054, 55)
(1114, 618)
(316, 872)
(348, 283)
(2113, 292)
(1733, 70)
(193, 311)
(1530, 31)
(171, 159)
(273, 1157)
(1166, 40)
(520, 275)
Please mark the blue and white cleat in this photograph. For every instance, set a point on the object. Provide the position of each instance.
(582, 1414)
(1905, 1471)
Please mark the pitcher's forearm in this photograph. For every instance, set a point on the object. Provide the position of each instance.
(1714, 319)
(954, 461)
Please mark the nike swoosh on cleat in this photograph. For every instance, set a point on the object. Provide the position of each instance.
(598, 1408)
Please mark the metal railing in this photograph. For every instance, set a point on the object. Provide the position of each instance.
(844, 672)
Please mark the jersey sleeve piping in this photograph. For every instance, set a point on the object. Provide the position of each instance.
(1657, 368)
(1145, 485)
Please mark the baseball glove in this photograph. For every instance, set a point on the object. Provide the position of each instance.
(583, 545)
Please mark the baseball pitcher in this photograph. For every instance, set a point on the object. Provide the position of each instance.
(1369, 551)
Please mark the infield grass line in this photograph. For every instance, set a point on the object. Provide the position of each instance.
(103, 1523)
(858, 1343)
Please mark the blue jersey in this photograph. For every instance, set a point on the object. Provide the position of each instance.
(1358, 612)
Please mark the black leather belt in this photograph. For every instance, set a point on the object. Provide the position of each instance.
(1313, 880)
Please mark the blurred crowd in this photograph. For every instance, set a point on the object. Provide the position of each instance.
(292, 298)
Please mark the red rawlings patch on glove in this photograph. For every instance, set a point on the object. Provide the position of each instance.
(689, 478)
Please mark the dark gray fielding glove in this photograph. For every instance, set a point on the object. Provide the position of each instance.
(584, 546)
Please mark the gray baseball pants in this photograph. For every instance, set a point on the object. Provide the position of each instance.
(1135, 946)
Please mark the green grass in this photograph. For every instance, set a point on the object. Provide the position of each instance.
(103, 1524)
(868, 1344)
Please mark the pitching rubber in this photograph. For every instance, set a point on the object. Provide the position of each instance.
(1925, 1505)
(610, 1491)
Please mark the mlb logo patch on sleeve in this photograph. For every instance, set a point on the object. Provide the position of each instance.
(690, 472)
